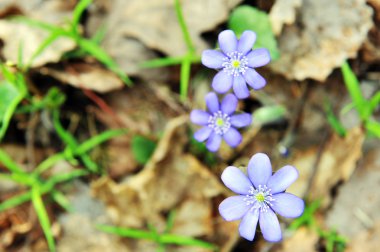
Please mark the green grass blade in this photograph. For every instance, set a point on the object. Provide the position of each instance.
(98, 139)
(78, 11)
(170, 221)
(10, 98)
(48, 163)
(98, 53)
(374, 102)
(15, 201)
(185, 78)
(20, 55)
(127, 232)
(168, 61)
(185, 241)
(61, 200)
(185, 30)
(35, 23)
(43, 217)
(66, 137)
(47, 42)
(353, 87)
(334, 121)
(373, 128)
(9, 163)
(60, 178)
(152, 236)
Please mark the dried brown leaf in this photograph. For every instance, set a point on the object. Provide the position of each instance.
(171, 179)
(86, 76)
(320, 40)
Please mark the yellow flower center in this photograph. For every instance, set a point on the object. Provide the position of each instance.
(219, 122)
(235, 63)
(260, 197)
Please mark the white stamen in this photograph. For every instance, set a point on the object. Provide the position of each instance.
(235, 63)
(260, 198)
(219, 122)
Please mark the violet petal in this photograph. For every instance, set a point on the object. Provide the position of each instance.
(241, 120)
(213, 142)
(240, 87)
(212, 102)
(259, 169)
(212, 59)
(258, 57)
(199, 117)
(236, 180)
(288, 205)
(247, 227)
(282, 179)
(254, 79)
(246, 42)
(222, 82)
(232, 137)
(202, 134)
(227, 41)
(270, 227)
(229, 104)
(233, 208)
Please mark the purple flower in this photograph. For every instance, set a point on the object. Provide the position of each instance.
(261, 195)
(220, 122)
(236, 60)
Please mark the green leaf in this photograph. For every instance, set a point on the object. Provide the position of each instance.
(269, 114)
(249, 18)
(10, 97)
(334, 121)
(142, 149)
(353, 87)
(159, 238)
(78, 11)
(373, 128)
(43, 217)
(15, 201)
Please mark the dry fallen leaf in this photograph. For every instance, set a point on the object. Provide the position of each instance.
(303, 239)
(320, 40)
(86, 214)
(85, 76)
(366, 240)
(283, 12)
(16, 35)
(171, 179)
(136, 30)
(356, 209)
(337, 163)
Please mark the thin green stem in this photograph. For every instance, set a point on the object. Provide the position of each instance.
(182, 23)
(185, 77)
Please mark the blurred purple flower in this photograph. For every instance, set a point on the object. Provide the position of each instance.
(236, 61)
(219, 122)
(261, 195)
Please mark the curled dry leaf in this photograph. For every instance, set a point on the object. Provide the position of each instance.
(283, 13)
(356, 209)
(337, 163)
(16, 35)
(171, 180)
(143, 110)
(86, 76)
(303, 239)
(87, 213)
(367, 240)
(137, 29)
(320, 40)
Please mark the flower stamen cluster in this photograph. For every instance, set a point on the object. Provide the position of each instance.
(235, 63)
(220, 122)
